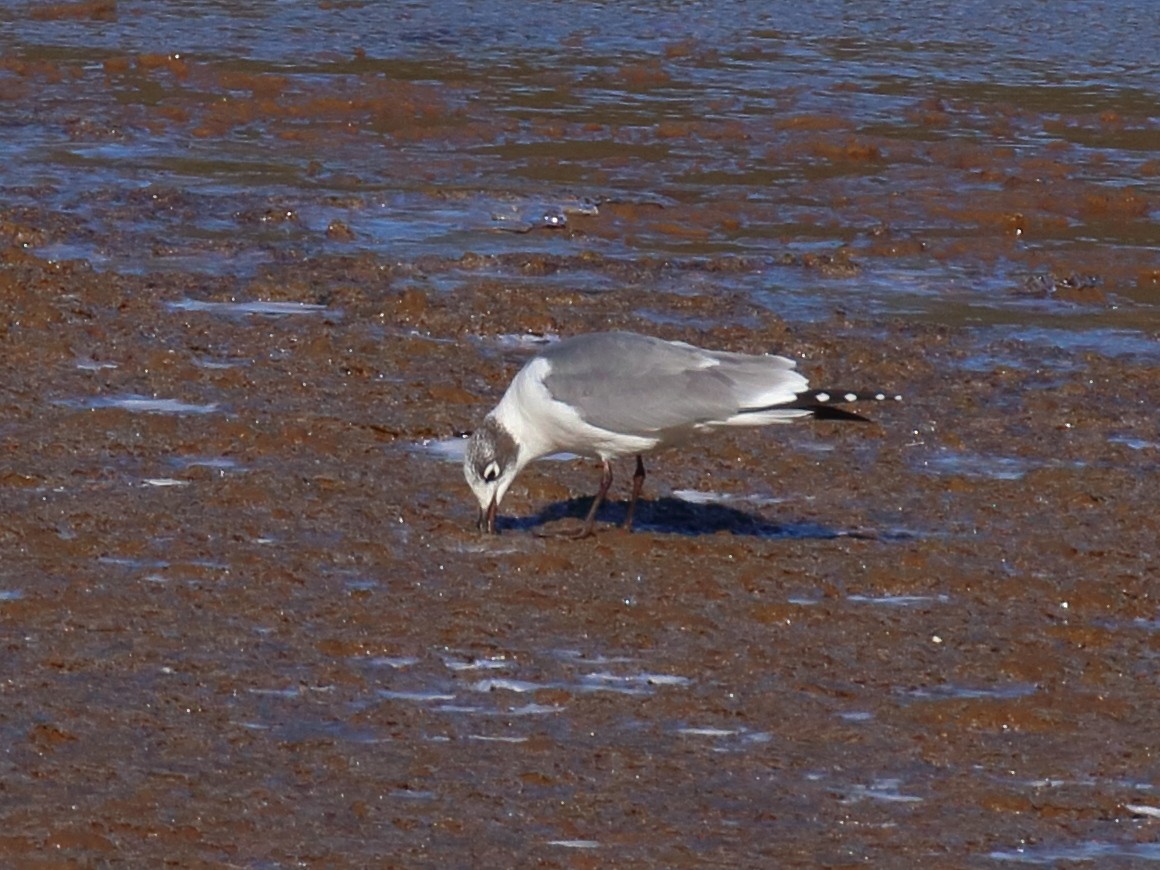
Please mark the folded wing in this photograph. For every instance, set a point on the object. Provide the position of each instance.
(639, 385)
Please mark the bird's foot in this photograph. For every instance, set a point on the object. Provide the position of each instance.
(570, 533)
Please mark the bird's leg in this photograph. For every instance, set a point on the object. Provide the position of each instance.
(585, 531)
(637, 485)
(597, 500)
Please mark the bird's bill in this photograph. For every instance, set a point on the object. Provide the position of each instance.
(486, 521)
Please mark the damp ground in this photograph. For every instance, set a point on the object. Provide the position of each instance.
(252, 305)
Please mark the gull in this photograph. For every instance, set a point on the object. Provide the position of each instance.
(606, 395)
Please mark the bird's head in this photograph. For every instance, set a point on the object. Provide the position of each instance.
(490, 464)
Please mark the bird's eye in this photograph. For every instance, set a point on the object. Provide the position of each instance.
(491, 471)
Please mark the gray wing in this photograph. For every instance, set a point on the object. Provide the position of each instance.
(639, 385)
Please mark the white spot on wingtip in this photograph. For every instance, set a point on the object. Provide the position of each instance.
(879, 396)
(822, 397)
(851, 397)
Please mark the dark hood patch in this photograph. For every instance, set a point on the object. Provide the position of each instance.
(491, 442)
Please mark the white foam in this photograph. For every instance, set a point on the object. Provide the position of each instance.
(143, 405)
(506, 685)
(1143, 810)
(707, 732)
(697, 496)
(900, 600)
(489, 739)
(414, 696)
(260, 307)
(446, 449)
(395, 662)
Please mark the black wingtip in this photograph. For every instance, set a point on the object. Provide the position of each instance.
(829, 412)
(823, 404)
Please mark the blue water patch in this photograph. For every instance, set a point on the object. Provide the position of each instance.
(1087, 851)
(136, 404)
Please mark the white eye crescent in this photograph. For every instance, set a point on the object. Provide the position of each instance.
(491, 471)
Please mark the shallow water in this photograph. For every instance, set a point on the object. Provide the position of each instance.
(941, 157)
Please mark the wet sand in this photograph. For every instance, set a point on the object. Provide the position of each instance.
(248, 621)
(255, 289)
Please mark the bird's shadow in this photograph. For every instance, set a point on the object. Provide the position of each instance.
(674, 516)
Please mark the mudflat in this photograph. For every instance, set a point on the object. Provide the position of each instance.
(261, 266)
